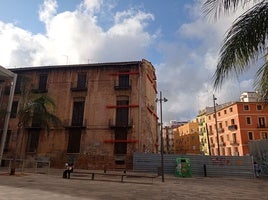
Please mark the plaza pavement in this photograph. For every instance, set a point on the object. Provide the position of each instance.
(34, 186)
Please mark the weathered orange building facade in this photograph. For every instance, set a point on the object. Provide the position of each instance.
(237, 123)
(186, 139)
(108, 111)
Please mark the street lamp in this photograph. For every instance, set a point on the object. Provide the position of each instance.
(216, 123)
(161, 134)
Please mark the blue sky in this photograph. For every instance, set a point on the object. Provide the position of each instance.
(173, 35)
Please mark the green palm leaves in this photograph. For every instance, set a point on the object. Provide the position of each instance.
(246, 40)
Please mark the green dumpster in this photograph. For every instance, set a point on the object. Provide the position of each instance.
(183, 167)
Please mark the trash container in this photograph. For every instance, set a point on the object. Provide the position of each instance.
(183, 167)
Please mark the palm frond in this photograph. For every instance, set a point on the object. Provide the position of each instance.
(245, 41)
(40, 111)
(261, 82)
(217, 8)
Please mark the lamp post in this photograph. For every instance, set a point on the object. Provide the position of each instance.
(216, 123)
(161, 135)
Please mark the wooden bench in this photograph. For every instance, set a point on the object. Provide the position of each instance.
(93, 174)
(123, 175)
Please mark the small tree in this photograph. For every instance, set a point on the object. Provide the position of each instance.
(39, 111)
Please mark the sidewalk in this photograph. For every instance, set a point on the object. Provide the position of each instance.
(30, 186)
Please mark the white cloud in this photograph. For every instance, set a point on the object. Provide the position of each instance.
(77, 37)
(48, 10)
(184, 75)
(92, 5)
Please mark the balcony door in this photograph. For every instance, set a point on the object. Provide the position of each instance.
(122, 121)
(78, 113)
(122, 113)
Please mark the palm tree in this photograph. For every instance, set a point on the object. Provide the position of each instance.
(245, 42)
(39, 111)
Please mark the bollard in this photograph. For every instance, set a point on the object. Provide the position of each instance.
(205, 170)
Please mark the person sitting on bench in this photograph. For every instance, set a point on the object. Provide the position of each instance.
(68, 171)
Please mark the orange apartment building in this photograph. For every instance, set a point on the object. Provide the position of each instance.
(186, 139)
(237, 123)
(108, 111)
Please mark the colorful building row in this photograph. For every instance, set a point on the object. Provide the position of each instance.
(224, 129)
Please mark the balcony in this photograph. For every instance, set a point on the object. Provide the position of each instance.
(200, 123)
(79, 86)
(232, 127)
(71, 124)
(33, 124)
(220, 130)
(210, 133)
(234, 143)
(39, 90)
(122, 85)
(222, 144)
(262, 126)
(120, 124)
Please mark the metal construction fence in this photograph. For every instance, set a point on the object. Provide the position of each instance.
(259, 151)
(212, 166)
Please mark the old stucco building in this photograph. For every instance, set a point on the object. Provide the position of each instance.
(186, 139)
(108, 112)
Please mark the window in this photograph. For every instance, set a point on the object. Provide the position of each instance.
(231, 109)
(229, 151)
(223, 151)
(42, 82)
(211, 140)
(219, 114)
(232, 121)
(124, 80)
(78, 113)
(250, 135)
(32, 142)
(224, 112)
(264, 135)
(246, 107)
(227, 137)
(261, 122)
(226, 123)
(210, 128)
(122, 118)
(248, 119)
(74, 141)
(236, 152)
(209, 117)
(259, 107)
(234, 138)
(81, 80)
(14, 109)
(18, 84)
